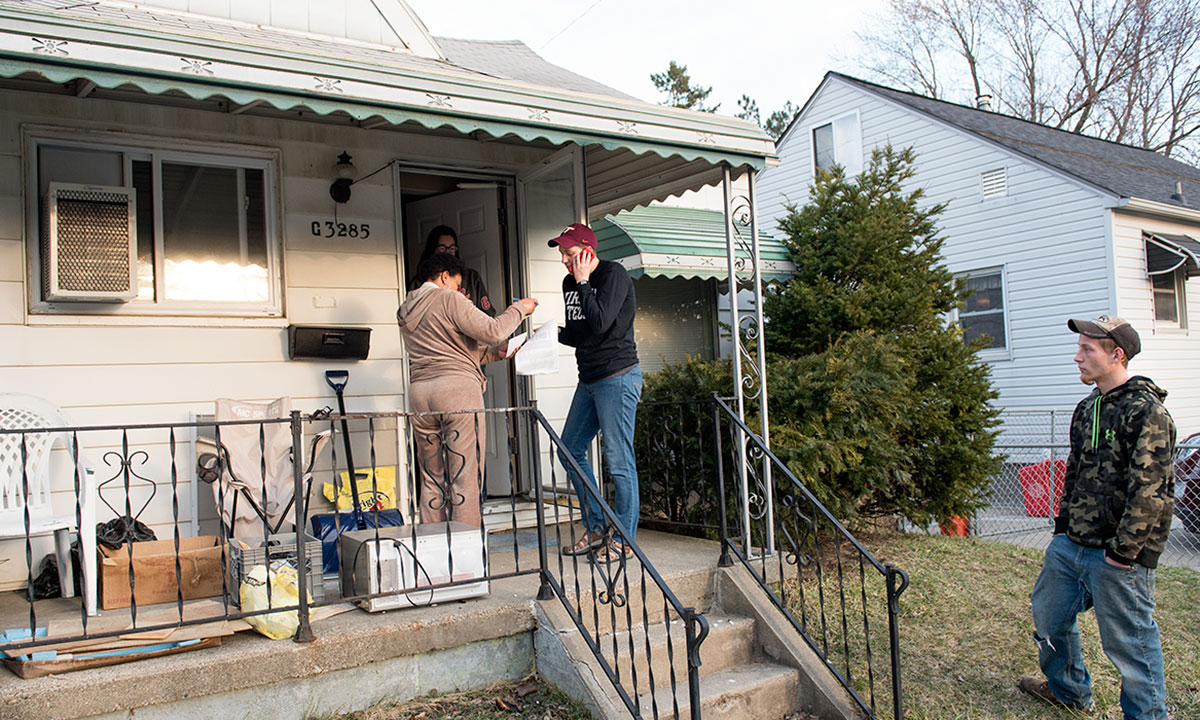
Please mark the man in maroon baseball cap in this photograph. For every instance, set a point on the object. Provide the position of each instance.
(600, 307)
(575, 234)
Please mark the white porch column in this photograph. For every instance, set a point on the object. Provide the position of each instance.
(749, 371)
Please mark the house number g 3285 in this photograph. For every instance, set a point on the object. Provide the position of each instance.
(329, 228)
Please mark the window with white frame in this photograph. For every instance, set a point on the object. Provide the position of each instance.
(205, 232)
(983, 314)
(1168, 298)
(838, 142)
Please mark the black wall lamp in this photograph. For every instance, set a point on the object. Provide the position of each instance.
(340, 189)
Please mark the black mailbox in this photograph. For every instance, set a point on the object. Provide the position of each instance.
(328, 343)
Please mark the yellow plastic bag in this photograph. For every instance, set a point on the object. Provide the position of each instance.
(376, 492)
(284, 593)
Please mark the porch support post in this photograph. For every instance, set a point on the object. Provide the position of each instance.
(736, 352)
(761, 345)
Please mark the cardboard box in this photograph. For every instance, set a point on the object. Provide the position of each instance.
(200, 571)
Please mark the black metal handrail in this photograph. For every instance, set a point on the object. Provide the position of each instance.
(794, 548)
(607, 585)
(596, 595)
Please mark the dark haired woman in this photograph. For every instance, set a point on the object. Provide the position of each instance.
(447, 339)
(443, 239)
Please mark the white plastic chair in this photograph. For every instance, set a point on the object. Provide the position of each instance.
(27, 412)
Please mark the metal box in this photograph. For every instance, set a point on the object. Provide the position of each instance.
(410, 558)
(328, 343)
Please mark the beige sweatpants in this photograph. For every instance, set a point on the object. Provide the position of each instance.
(450, 448)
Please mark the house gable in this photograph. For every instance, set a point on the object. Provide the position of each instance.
(1045, 235)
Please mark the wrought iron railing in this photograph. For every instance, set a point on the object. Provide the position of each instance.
(599, 597)
(838, 597)
(148, 479)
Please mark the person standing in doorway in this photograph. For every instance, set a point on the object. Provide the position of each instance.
(443, 239)
(447, 340)
(600, 307)
(1111, 527)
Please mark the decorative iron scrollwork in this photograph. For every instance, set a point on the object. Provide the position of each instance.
(123, 470)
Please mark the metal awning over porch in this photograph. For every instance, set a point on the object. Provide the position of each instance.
(634, 151)
(1167, 253)
(661, 241)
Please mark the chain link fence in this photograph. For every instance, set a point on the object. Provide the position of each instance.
(1033, 445)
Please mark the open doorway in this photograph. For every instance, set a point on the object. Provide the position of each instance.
(479, 210)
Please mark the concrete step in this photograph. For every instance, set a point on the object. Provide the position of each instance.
(757, 691)
(729, 643)
(600, 615)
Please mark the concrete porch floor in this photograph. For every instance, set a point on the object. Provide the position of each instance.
(356, 660)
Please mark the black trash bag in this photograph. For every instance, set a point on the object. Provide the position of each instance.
(116, 532)
(46, 584)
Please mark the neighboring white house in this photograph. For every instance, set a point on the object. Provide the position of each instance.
(222, 123)
(1044, 224)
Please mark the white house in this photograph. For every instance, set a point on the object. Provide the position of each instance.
(219, 126)
(1044, 224)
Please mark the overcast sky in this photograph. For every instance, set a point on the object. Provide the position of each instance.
(772, 50)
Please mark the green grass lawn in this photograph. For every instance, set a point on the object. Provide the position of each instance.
(965, 631)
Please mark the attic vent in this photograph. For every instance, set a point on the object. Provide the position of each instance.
(994, 182)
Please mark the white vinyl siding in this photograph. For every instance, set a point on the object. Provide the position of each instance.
(1048, 232)
(1169, 349)
(105, 370)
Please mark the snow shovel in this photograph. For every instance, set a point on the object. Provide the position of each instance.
(326, 525)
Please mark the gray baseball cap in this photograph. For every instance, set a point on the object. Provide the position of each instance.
(1112, 327)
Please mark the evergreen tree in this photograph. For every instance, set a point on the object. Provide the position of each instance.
(877, 404)
(681, 93)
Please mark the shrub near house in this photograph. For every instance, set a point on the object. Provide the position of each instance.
(877, 404)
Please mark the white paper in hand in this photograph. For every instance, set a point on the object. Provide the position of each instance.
(539, 354)
(514, 344)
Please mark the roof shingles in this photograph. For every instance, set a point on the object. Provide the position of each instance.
(1122, 170)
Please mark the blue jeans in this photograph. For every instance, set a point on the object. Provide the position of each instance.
(608, 406)
(1075, 578)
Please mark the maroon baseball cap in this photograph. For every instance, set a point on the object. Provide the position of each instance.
(575, 234)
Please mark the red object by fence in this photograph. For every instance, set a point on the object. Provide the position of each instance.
(1036, 488)
(959, 526)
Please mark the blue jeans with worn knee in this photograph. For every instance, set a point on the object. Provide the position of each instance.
(608, 406)
(1075, 578)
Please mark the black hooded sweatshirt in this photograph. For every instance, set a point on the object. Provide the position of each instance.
(600, 322)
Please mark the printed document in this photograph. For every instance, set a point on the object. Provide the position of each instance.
(539, 354)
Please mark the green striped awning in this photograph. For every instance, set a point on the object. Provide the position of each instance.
(165, 54)
(662, 241)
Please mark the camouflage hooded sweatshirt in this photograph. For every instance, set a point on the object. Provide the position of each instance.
(1120, 488)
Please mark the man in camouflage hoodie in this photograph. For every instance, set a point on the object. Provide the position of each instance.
(1111, 527)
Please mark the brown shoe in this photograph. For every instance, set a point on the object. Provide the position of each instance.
(587, 542)
(611, 553)
(1040, 689)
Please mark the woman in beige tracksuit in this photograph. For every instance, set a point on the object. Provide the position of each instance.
(447, 338)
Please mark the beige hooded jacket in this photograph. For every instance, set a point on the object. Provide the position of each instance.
(445, 334)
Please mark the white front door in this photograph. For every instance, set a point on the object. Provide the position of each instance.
(475, 216)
